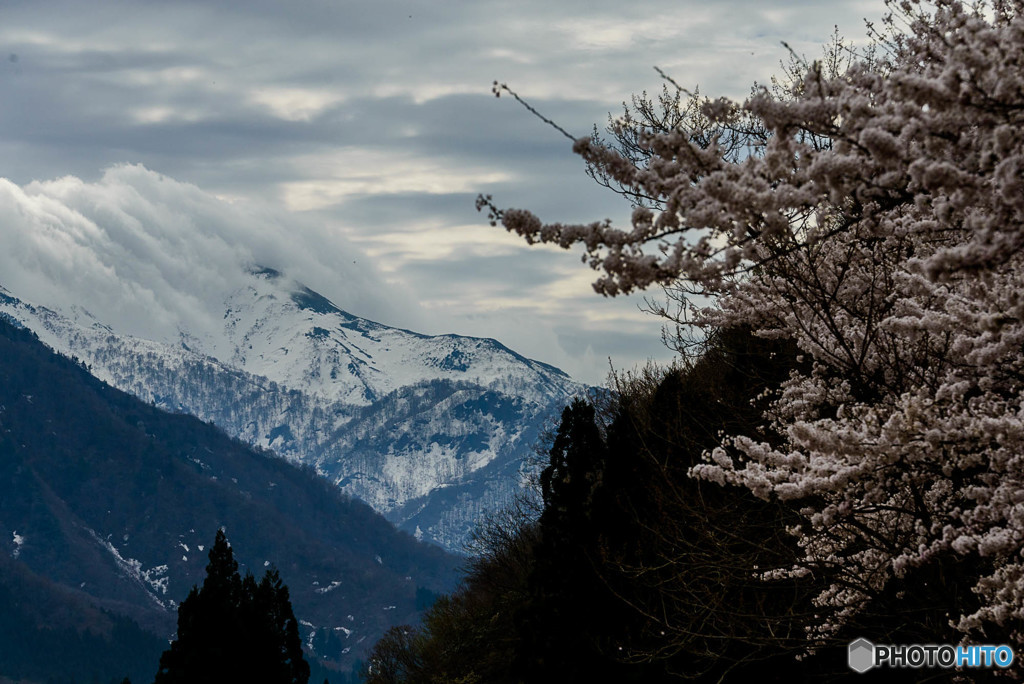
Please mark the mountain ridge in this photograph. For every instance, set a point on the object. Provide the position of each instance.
(391, 416)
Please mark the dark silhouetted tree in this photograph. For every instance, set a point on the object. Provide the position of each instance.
(571, 624)
(235, 629)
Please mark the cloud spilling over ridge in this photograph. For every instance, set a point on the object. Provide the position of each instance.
(378, 117)
(149, 255)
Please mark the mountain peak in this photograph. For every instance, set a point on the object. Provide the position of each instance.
(430, 430)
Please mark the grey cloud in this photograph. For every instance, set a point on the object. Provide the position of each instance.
(626, 348)
(518, 272)
(397, 90)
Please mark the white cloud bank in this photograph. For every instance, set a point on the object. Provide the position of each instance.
(154, 257)
(149, 255)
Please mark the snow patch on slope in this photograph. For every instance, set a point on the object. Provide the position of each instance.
(154, 581)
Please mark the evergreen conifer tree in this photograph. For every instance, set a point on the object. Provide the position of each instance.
(564, 623)
(235, 629)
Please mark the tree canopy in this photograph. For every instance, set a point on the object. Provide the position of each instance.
(872, 214)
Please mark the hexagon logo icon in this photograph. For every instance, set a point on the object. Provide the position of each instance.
(861, 655)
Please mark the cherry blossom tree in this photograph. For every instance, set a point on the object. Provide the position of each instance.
(873, 215)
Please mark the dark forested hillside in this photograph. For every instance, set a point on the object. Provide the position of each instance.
(107, 504)
(635, 571)
(54, 633)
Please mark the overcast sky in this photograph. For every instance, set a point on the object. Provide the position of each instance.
(363, 132)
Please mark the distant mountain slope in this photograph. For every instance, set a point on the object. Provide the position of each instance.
(53, 633)
(278, 328)
(113, 501)
(393, 417)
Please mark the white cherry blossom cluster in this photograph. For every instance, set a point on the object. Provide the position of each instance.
(880, 226)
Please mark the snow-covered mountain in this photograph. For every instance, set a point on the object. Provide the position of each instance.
(431, 431)
(202, 306)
